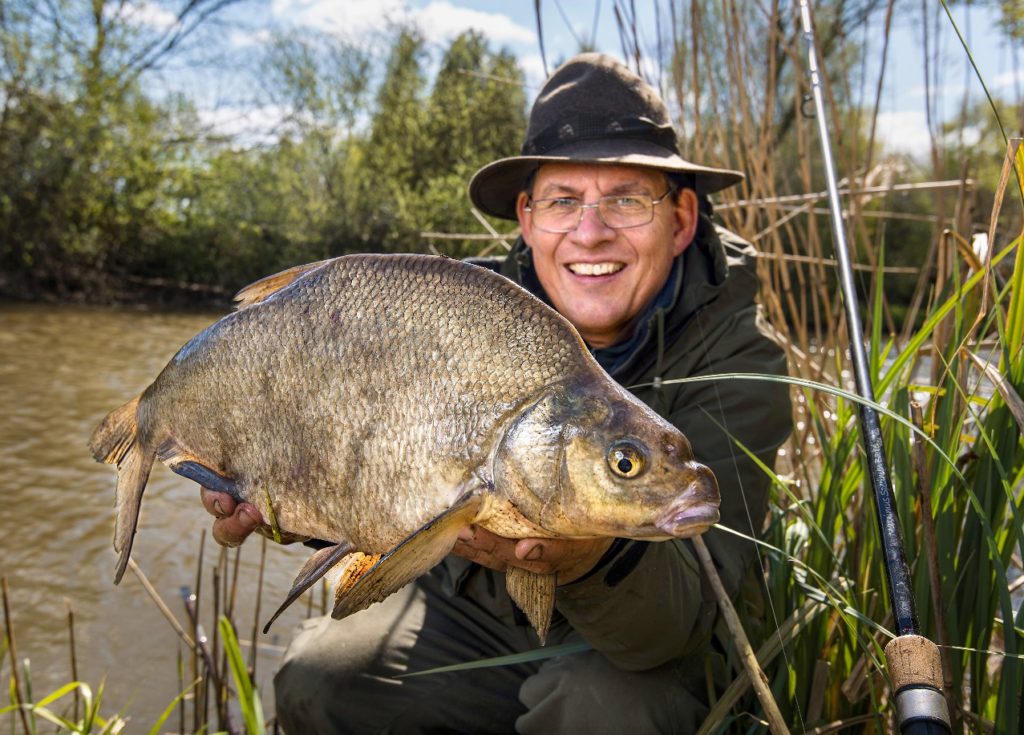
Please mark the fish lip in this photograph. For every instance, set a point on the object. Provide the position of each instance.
(687, 520)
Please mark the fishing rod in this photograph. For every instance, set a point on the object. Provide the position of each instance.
(913, 661)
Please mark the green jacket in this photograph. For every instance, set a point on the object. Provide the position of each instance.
(646, 603)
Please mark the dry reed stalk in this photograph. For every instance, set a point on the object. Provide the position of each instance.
(181, 688)
(757, 678)
(12, 650)
(200, 716)
(924, 490)
(229, 607)
(816, 699)
(256, 612)
(218, 656)
(212, 675)
(160, 604)
(74, 657)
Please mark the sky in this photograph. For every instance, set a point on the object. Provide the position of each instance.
(513, 25)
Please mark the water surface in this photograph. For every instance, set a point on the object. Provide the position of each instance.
(62, 368)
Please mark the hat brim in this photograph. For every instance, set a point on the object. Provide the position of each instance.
(494, 188)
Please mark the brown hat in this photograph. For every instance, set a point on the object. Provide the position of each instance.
(592, 110)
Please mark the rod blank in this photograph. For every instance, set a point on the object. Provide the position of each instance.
(913, 660)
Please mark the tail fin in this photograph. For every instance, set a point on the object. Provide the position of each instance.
(116, 441)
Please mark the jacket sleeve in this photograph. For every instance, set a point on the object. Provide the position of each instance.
(649, 603)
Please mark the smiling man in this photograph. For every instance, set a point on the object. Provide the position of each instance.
(602, 263)
(617, 236)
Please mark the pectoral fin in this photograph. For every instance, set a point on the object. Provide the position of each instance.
(408, 560)
(184, 463)
(535, 595)
(316, 567)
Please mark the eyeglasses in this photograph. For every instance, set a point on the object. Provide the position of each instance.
(617, 211)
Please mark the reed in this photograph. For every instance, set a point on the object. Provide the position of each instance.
(946, 361)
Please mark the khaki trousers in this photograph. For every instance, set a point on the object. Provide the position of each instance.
(340, 676)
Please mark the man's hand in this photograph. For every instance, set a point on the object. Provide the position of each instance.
(569, 558)
(235, 521)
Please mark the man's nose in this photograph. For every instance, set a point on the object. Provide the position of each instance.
(591, 229)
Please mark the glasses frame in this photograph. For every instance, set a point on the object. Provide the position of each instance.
(596, 205)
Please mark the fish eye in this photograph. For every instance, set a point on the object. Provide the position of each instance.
(626, 460)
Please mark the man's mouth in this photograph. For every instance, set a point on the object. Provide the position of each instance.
(595, 269)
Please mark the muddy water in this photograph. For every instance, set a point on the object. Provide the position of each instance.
(61, 370)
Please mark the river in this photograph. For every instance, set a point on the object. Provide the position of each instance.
(62, 368)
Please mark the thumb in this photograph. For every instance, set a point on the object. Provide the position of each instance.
(529, 549)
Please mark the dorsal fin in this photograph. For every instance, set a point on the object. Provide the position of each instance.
(259, 290)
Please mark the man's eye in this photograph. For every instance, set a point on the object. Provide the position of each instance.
(560, 204)
(627, 203)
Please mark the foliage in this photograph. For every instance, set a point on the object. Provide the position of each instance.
(107, 193)
(90, 723)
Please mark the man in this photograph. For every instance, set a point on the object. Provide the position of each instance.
(616, 236)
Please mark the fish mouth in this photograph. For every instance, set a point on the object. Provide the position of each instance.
(595, 269)
(696, 510)
(691, 520)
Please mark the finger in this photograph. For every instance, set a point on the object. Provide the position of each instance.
(473, 554)
(234, 529)
(486, 542)
(217, 504)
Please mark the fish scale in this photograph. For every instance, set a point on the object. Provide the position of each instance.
(383, 402)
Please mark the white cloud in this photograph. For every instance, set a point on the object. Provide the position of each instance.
(245, 124)
(352, 17)
(244, 39)
(147, 15)
(439, 20)
(533, 72)
(442, 20)
(904, 131)
(1009, 79)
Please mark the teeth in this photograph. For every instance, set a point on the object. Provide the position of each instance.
(595, 269)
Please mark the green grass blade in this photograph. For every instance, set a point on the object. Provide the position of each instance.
(58, 693)
(824, 388)
(252, 713)
(155, 730)
(537, 654)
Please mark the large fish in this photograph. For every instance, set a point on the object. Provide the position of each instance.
(383, 402)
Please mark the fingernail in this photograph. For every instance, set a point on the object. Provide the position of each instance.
(218, 508)
(535, 553)
(247, 520)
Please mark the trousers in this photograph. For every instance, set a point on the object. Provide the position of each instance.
(358, 675)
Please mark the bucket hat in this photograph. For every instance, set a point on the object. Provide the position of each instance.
(592, 109)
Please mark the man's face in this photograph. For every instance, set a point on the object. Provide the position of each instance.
(599, 278)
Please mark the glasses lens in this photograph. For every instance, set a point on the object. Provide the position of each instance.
(620, 211)
(556, 215)
(626, 211)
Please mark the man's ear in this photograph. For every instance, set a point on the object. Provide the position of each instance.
(686, 218)
(523, 216)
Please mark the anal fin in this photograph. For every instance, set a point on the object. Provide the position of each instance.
(315, 567)
(535, 595)
(413, 556)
